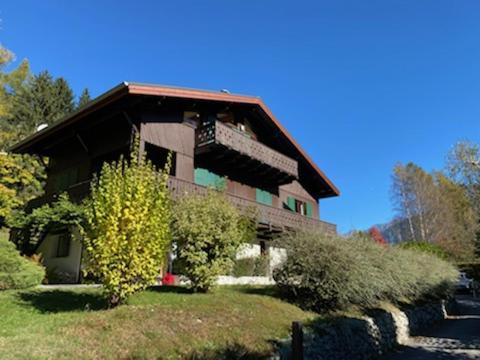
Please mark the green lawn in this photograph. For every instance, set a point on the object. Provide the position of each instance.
(159, 323)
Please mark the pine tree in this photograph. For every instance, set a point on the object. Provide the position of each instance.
(64, 103)
(44, 100)
(84, 98)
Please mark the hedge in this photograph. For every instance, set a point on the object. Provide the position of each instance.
(324, 273)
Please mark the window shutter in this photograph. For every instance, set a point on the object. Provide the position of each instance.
(201, 176)
(207, 178)
(309, 209)
(291, 203)
(263, 197)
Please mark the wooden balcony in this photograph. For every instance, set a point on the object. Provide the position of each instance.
(270, 219)
(228, 151)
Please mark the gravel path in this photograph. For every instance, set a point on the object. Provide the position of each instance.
(457, 337)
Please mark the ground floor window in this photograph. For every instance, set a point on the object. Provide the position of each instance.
(63, 245)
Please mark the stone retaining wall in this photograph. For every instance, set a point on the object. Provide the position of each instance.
(369, 336)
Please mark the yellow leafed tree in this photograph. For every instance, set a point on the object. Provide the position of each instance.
(128, 226)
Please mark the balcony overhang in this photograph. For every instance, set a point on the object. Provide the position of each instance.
(231, 152)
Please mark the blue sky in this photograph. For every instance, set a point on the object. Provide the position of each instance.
(362, 85)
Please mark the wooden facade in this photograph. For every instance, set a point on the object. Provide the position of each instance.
(213, 136)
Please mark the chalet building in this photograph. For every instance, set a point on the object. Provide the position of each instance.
(218, 139)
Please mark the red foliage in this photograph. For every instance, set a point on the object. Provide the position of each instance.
(377, 236)
(168, 279)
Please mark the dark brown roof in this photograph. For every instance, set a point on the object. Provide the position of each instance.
(158, 90)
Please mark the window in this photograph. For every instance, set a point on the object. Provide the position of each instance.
(158, 156)
(97, 162)
(63, 245)
(210, 179)
(263, 197)
(299, 206)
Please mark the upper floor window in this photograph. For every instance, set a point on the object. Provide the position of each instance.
(263, 197)
(158, 156)
(301, 207)
(209, 179)
(115, 155)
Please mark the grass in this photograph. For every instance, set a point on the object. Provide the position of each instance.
(170, 323)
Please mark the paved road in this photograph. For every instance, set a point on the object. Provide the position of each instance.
(458, 337)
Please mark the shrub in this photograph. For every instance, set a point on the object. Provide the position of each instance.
(17, 272)
(251, 266)
(425, 247)
(30, 229)
(208, 230)
(261, 265)
(128, 226)
(323, 273)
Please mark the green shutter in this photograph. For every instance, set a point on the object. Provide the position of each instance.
(206, 178)
(291, 203)
(200, 176)
(309, 209)
(263, 197)
(220, 183)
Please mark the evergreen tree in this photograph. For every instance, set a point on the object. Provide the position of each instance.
(64, 103)
(44, 100)
(84, 98)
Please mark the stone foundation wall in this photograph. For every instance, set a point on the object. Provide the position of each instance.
(369, 336)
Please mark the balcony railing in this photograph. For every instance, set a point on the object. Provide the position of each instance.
(267, 215)
(280, 219)
(246, 152)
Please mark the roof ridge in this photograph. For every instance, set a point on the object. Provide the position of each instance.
(187, 88)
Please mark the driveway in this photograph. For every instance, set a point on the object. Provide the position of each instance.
(457, 337)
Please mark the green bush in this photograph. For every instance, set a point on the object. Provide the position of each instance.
(425, 247)
(251, 266)
(324, 273)
(32, 228)
(127, 226)
(17, 272)
(208, 230)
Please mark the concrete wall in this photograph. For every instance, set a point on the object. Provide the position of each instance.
(67, 268)
(248, 250)
(277, 255)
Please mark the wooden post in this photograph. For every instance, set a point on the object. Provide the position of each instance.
(297, 340)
